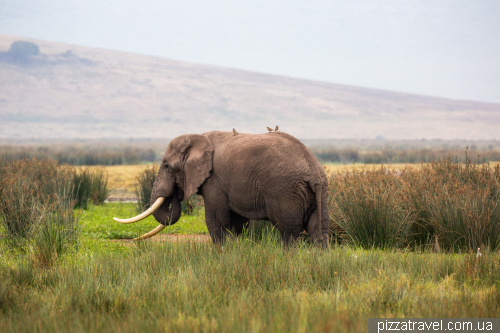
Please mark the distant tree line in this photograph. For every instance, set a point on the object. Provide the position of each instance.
(74, 154)
(423, 155)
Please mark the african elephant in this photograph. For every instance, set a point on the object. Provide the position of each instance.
(270, 176)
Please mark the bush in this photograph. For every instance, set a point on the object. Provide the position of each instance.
(37, 198)
(36, 208)
(25, 188)
(364, 209)
(55, 232)
(450, 205)
(90, 185)
(19, 208)
(144, 186)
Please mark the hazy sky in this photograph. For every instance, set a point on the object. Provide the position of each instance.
(448, 48)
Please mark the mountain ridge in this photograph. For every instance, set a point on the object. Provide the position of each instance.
(124, 95)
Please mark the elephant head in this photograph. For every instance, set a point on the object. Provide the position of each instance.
(185, 166)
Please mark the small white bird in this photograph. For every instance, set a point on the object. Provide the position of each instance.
(234, 132)
(478, 254)
(269, 129)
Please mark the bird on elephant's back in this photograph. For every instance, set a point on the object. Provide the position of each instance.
(270, 176)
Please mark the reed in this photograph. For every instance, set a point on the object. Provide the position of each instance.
(144, 187)
(365, 209)
(37, 198)
(90, 185)
(447, 205)
(55, 233)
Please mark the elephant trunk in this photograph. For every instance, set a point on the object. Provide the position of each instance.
(170, 211)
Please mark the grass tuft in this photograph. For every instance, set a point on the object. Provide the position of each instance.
(144, 187)
(447, 205)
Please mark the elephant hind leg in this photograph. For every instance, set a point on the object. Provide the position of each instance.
(315, 231)
(289, 230)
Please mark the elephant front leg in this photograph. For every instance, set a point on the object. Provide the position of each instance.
(217, 223)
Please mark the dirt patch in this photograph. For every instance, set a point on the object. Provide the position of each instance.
(168, 238)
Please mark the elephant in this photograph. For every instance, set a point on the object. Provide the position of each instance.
(240, 176)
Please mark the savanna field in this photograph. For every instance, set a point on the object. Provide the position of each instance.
(411, 241)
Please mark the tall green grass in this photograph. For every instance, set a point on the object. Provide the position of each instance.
(365, 209)
(25, 188)
(37, 198)
(244, 286)
(55, 233)
(144, 187)
(447, 205)
(90, 185)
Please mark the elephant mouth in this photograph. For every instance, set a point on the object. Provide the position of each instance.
(154, 207)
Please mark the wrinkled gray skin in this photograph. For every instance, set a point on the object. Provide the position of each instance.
(270, 176)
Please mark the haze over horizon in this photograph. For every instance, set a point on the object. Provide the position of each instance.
(445, 48)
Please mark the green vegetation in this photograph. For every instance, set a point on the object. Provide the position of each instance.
(243, 286)
(144, 187)
(37, 198)
(339, 151)
(378, 155)
(75, 154)
(447, 205)
(405, 245)
(90, 185)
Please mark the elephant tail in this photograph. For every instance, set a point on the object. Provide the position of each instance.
(319, 192)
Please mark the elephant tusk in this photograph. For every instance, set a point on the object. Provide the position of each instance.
(152, 232)
(144, 214)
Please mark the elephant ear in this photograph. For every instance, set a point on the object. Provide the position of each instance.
(197, 163)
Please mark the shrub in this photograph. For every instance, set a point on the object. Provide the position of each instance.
(36, 206)
(364, 209)
(25, 187)
(463, 205)
(90, 185)
(144, 186)
(450, 205)
(55, 232)
(19, 207)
